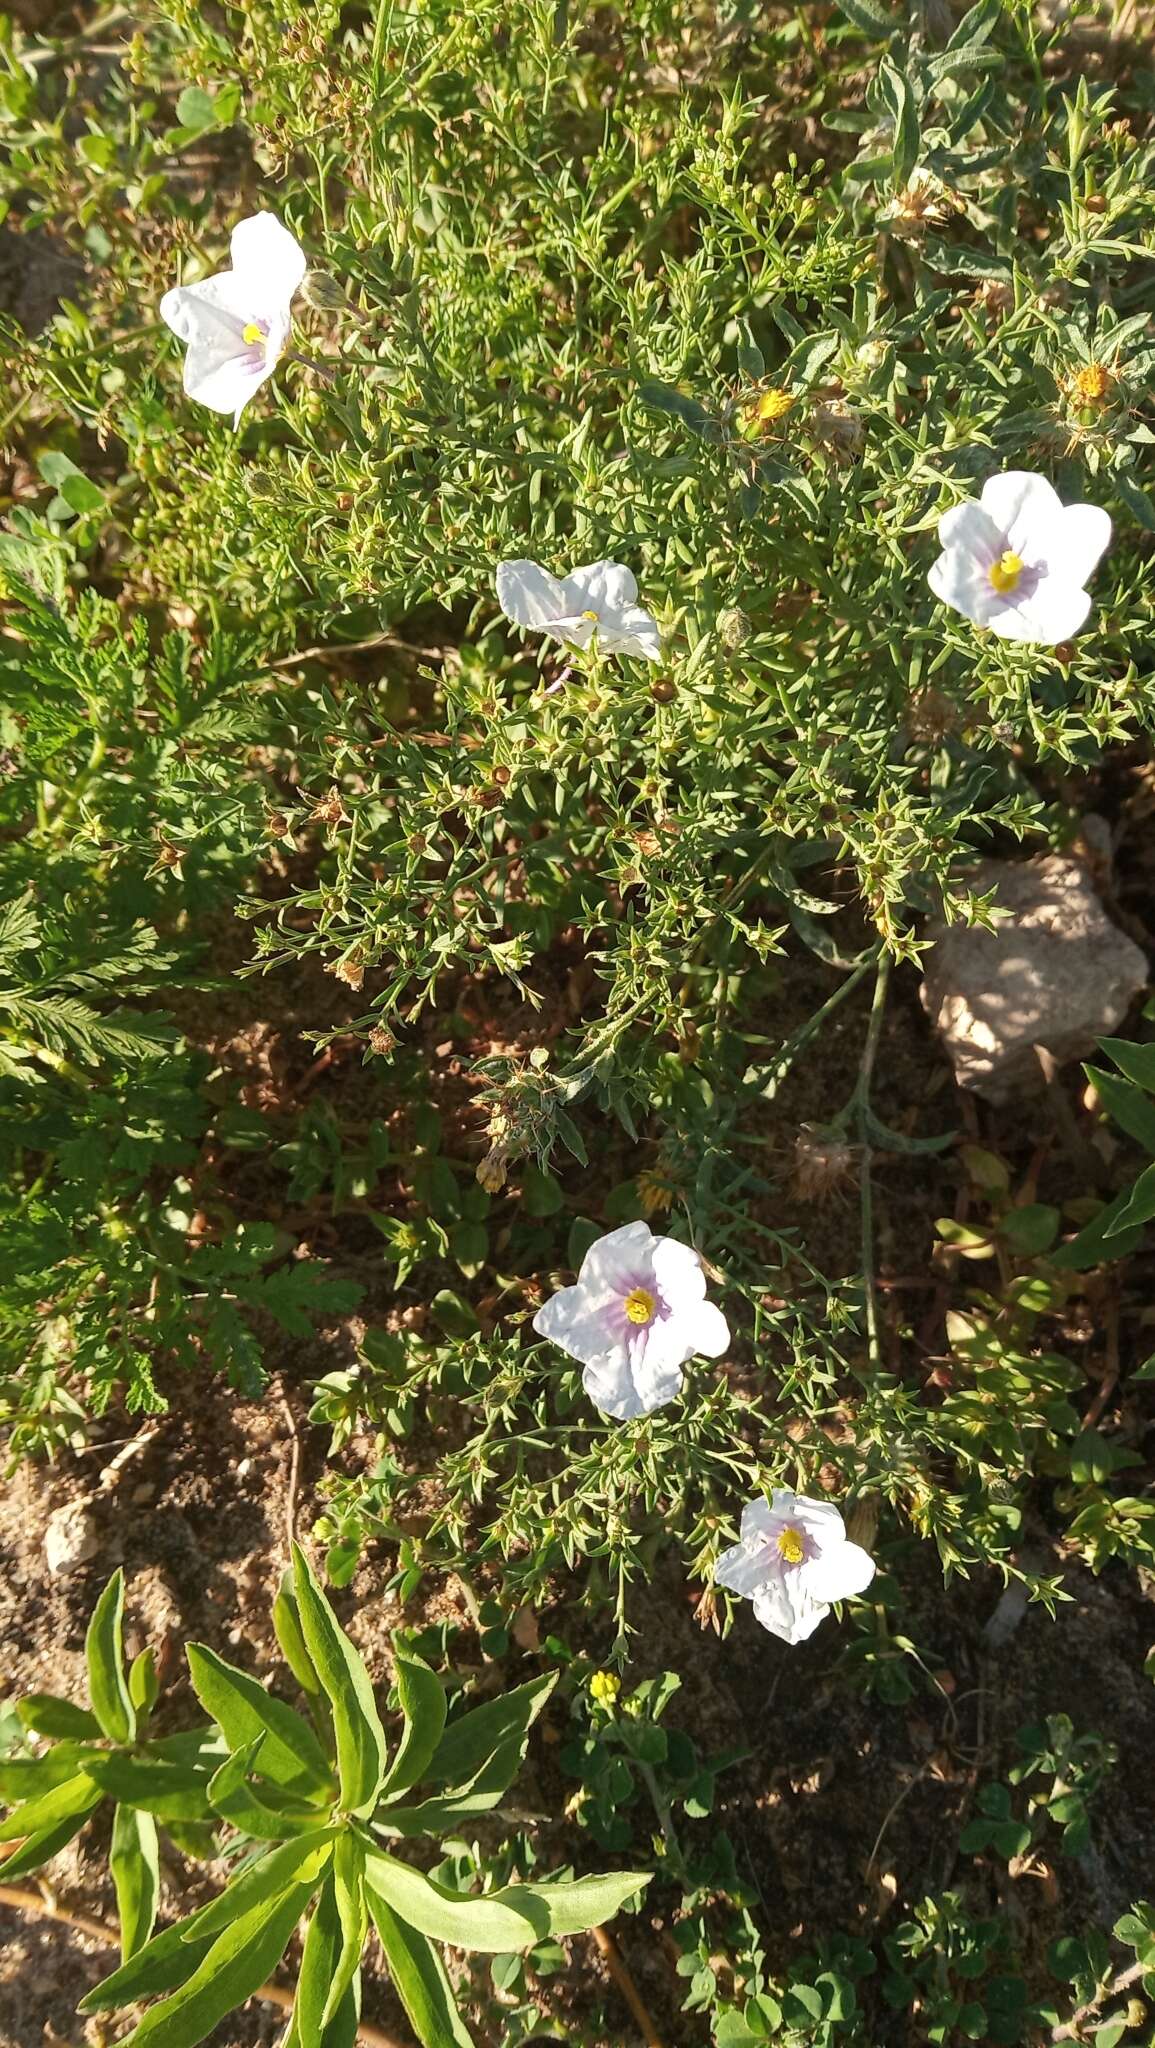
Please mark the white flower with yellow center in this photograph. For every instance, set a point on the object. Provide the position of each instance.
(599, 598)
(1016, 559)
(636, 1314)
(793, 1560)
(235, 324)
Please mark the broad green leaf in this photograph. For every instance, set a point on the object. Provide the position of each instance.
(469, 1742)
(58, 1719)
(341, 2029)
(1131, 1107)
(77, 1795)
(165, 1962)
(423, 1706)
(235, 1966)
(289, 1752)
(575, 1905)
(169, 1791)
(231, 1795)
(104, 1651)
(1139, 1206)
(135, 1866)
(299, 1862)
(1137, 1062)
(418, 1977)
(488, 1923)
(25, 1777)
(361, 1748)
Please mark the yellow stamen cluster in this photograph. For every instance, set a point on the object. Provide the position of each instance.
(1092, 384)
(252, 333)
(791, 1548)
(1005, 573)
(591, 615)
(640, 1306)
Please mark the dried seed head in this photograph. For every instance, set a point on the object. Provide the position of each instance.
(329, 810)
(381, 1041)
(823, 1163)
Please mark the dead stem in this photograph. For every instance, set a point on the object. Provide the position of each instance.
(627, 1987)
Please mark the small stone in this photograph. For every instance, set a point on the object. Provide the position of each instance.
(1054, 973)
(70, 1538)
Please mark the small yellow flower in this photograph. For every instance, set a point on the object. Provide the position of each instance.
(762, 412)
(1092, 385)
(604, 1688)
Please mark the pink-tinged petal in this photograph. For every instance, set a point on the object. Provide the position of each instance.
(707, 1331)
(1020, 503)
(600, 587)
(269, 258)
(968, 526)
(962, 581)
(678, 1272)
(529, 595)
(1075, 546)
(632, 632)
(221, 369)
(657, 1379)
(740, 1571)
(575, 630)
(839, 1574)
(1054, 611)
(572, 1320)
(782, 1606)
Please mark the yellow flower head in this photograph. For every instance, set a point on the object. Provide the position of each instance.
(604, 1688)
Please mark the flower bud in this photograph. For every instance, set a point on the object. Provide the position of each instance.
(322, 292)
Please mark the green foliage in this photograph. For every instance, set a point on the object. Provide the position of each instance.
(307, 1808)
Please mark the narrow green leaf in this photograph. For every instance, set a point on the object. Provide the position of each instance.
(104, 1651)
(77, 1794)
(418, 1976)
(423, 1706)
(41, 1847)
(135, 1865)
(299, 1862)
(352, 1913)
(1131, 1107)
(470, 1741)
(287, 1626)
(319, 1959)
(235, 1966)
(231, 1795)
(59, 1719)
(361, 1748)
(289, 1752)
(143, 1684)
(168, 1791)
(575, 1905)
(26, 1777)
(492, 1924)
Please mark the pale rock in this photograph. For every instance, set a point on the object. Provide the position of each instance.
(70, 1538)
(1055, 972)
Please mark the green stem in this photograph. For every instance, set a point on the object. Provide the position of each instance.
(860, 1104)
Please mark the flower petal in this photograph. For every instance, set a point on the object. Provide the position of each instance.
(821, 1520)
(577, 1323)
(631, 632)
(838, 1574)
(1082, 536)
(961, 580)
(625, 1394)
(707, 1331)
(969, 526)
(1020, 503)
(783, 1606)
(529, 595)
(616, 1260)
(600, 587)
(1054, 611)
(678, 1272)
(756, 1517)
(740, 1571)
(270, 259)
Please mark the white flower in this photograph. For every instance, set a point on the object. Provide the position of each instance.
(600, 597)
(1017, 558)
(235, 325)
(637, 1313)
(793, 1559)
